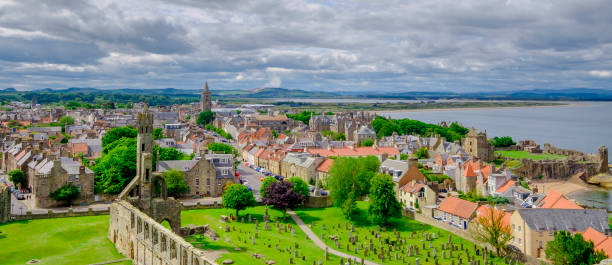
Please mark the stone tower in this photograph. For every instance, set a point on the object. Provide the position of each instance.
(602, 154)
(206, 101)
(476, 144)
(144, 159)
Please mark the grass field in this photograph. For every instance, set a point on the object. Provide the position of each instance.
(332, 218)
(524, 154)
(75, 240)
(265, 244)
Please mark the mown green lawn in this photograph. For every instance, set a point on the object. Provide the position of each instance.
(333, 218)
(265, 244)
(524, 154)
(75, 240)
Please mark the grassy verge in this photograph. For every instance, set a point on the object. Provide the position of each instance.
(76, 240)
(335, 225)
(523, 154)
(237, 246)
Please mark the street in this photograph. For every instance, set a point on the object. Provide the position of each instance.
(251, 176)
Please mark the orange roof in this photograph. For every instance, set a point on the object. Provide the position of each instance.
(79, 148)
(483, 210)
(412, 188)
(600, 241)
(506, 186)
(20, 155)
(357, 151)
(556, 200)
(458, 207)
(469, 171)
(281, 136)
(324, 167)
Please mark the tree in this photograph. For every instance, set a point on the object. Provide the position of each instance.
(158, 133)
(492, 230)
(205, 117)
(282, 196)
(170, 153)
(300, 186)
(265, 183)
(17, 177)
(66, 120)
(67, 193)
(238, 197)
(115, 169)
(175, 183)
(274, 134)
(117, 133)
(351, 175)
(422, 153)
(566, 249)
(367, 142)
(503, 141)
(383, 203)
(221, 147)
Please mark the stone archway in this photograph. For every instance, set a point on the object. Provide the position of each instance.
(159, 189)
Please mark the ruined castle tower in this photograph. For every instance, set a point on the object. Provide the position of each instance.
(144, 159)
(476, 144)
(206, 101)
(602, 154)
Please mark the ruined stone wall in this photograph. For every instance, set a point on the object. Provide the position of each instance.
(5, 203)
(145, 241)
(554, 169)
(560, 151)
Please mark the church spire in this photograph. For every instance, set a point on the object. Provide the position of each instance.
(206, 86)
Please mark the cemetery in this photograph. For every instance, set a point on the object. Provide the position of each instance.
(404, 241)
(249, 239)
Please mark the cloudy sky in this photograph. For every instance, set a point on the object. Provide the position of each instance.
(313, 45)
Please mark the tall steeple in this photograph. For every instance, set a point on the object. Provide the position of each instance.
(206, 101)
(144, 159)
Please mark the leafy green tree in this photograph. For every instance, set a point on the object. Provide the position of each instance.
(169, 153)
(566, 249)
(115, 169)
(72, 104)
(205, 117)
(349, 206)
(219, 131)
(66, 120)
(386, 127)
(221, 147)
(403, 156)
(367, 142)
(351, 175)
(300, 186)
(267, 181)
(303, 116)
(274, 134)
(336, 136)
(238, 197)
(158, 133)
(117, 133)
(503, 141)
(422, 153)
(17, 177)
(187, 117)
(383, 203)
(175, 183)
(66, 193)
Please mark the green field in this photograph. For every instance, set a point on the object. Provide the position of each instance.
(332, 218)
(75, 240)
(265, 244)
(527, 155)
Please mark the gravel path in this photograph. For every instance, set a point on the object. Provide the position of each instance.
(317, 240)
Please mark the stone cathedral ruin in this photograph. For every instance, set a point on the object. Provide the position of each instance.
(136, 216)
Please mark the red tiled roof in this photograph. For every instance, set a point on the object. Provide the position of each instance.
(556, 200)
(506, 186)
(600, 241)
(326, 165)
(79, 148)
(458, 207)
(412, 188)
(357, 151)
(483, 210)
(20, 155)
(469, 171)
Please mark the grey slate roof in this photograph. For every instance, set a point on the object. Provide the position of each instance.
(565, 219)
(180, 165)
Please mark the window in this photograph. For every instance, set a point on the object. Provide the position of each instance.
(225, 172)
(513, 227)
(147, 174)
(520, 241)
(540, 244)
(519, 228)
(197, 181)
(69, 179)
(142, 147)
(208, 182)
(76, 178)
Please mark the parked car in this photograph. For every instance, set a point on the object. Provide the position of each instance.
(324, 193)
(20, 197)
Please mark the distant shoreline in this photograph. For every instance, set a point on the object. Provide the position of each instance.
(561, 104)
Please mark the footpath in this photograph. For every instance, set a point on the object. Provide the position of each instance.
(321, 244)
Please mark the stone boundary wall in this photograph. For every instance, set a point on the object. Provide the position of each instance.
(318, 201)
(91, 212)
(145, 241)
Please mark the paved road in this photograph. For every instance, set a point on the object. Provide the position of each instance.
(317, 240)
(252, 177)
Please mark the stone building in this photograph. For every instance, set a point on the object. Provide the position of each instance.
(364, 133)
(476, 144)
(279, 123)
(303, 165)
(47, 174)
(206, 101)
(532, 229)
(224, 171)
(200, 175)
(5, 203)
